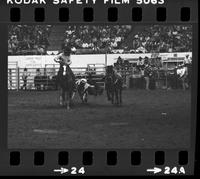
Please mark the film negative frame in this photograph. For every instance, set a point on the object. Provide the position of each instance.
(95, 161)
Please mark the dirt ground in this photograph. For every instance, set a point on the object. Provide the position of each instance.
(147, 119)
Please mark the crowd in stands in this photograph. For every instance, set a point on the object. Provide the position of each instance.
(97, 37)
(149, 39)
(28, 39)
(160, 38)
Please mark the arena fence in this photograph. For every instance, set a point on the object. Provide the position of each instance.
(47, 77)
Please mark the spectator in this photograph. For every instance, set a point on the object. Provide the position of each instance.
(38, 79)
(140, 63)
(148, 39)
(147, 74)
(187, 60)
(23, 39)
(159, 38)
(24, 78)
(120, 61)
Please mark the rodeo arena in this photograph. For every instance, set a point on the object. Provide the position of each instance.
(86, 86)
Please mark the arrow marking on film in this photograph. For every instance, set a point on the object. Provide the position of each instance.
(62, 170)
(154, 170)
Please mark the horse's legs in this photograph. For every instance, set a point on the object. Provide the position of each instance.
(108, 94)
(183, 84)
(116, 96)
(187, 83)
(73, 94)
(147, 82)
(184, 87)
(81, 96)
(85, 95)
(61, 97)
(68, 99)
(60, 100)
(120, 96)
(113, 93)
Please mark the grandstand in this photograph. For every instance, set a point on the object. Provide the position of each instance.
(32, 40)
(28, 39)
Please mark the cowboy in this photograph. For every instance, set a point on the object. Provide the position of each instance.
(187, 63)
(84, 82)
(140, 63)
(24, 78)
(181, 71)
(183, 76)
(65, 61)
(146, 60)
(120, 60)
(38, 79)
(113, 71)
(147, 75)
(117, 74)
(187, 60)
(38, 73)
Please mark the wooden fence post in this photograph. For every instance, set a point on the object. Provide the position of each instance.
(106, 60)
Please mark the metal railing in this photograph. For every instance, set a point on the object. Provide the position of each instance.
(47, 77)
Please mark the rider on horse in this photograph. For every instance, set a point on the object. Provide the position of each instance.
(113, 84)
(64, 59)
(187, 63)
(184, 72)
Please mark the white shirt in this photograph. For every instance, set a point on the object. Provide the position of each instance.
(187, 60)
(181, 72)
(140, 62)
(25, 75)
(86, 84)
(81, 80)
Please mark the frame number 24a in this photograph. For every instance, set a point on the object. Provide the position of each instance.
(174, 170)
(168, 171)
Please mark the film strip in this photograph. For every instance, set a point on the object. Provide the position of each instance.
(153, 131)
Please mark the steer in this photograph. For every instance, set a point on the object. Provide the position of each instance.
(84, 89)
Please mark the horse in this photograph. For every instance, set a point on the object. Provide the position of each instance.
(66, 83)
(113, 85)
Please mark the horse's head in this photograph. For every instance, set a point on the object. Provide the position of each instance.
(109, 69)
